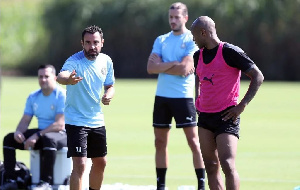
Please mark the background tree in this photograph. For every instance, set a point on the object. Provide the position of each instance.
(50, 32)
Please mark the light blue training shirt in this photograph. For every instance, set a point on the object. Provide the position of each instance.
(170, 48)
(83, 103)
(45, 108)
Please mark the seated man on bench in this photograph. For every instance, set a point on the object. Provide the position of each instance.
(47, 105)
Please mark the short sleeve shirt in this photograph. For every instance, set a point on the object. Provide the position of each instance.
(83, 103)
(45, 108)
(170, 48)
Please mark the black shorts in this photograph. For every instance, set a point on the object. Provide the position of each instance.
(214, 123)
(86, 141)
(182, 109)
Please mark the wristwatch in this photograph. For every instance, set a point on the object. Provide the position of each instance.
(39, 134)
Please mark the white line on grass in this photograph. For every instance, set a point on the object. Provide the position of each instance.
(147, 177)
(192, 178)
(270, 180)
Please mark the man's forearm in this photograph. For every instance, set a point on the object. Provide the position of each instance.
(257, 79)
(110, 91)
(160, 67)
(58, 125)
(24, 123)
(251, 92)
(61, 79)
(183, 68)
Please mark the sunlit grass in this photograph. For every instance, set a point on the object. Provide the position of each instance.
(268, 151)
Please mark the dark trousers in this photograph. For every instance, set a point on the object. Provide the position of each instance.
(48, 144)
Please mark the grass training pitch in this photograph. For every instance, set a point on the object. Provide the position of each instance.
(268, 155)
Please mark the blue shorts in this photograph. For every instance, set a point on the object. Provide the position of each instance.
(182, 109)
(86, 141)
(214, 123)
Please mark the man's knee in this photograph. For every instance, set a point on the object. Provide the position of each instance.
(79, 165)
(78, 170)
(99, 162)
(211, 167)
(9, 139)
(48, 141)
(160, 143)
(194, 144)
(53, 140)
(228, 166)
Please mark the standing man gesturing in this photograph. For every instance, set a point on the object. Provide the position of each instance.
(86, 73)
(172, 59)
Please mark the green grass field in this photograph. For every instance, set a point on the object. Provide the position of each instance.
(269, 147)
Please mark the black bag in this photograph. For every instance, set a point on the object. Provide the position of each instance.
(23, 175)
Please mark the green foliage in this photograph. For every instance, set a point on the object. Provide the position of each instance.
(22, 32)
(50, 31)
(268, 152)
(128, 27)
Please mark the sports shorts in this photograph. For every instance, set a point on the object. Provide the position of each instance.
(214, 123)
(86, 141)
(182, 109)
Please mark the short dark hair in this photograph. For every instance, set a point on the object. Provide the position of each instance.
(48, 66)
(92, 29)
(179, 5)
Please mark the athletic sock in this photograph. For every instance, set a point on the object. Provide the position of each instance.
(201, 178)
(161, 178)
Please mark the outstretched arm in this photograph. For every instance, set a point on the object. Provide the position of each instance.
(257, 79)
(67, 78)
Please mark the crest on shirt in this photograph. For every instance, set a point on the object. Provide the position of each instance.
(164, 45)
(183, 45)
(52, 107)
(35, 106)
(103, 71)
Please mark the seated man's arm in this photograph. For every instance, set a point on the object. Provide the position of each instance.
(21, 128)
(58, 125)
(184, 68)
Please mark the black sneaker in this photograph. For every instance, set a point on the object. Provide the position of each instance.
(42, 185)
(9, 185)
